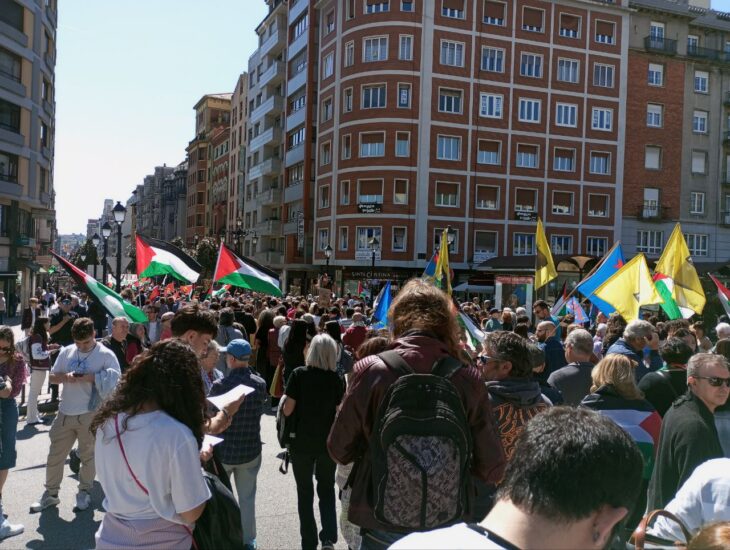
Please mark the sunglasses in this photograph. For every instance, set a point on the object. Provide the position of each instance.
(715, 381)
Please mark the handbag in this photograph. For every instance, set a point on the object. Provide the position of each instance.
(277, 382)
(641, 538)
(286, 426)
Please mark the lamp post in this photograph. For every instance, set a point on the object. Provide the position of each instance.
(328, 255)
(95, 240)
(373, 247)
(83, 261)
(106, 232)
(119, 214)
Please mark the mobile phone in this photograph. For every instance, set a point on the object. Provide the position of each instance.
(78, 374)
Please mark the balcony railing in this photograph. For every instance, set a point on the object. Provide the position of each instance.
(652, 212)
(660, 44)
(703, 53)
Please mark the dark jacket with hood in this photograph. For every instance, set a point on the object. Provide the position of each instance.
(622, 347)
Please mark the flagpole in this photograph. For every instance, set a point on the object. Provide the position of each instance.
(592, 271)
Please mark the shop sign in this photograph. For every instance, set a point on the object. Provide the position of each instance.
(523, 216)
(512, 280)
(369, 208)
(367, 254)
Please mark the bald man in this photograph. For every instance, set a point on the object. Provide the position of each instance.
(553, 348)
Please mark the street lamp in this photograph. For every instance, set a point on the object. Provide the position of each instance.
(374, 242)
(196, 238)
(106, 232)
(119, 214)
(96, 240)
(328, 255)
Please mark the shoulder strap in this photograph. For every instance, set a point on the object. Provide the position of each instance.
(492, 536)
(393, 360)
(124, 455)
(446, 367)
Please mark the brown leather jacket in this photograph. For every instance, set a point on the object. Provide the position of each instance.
(350, 435)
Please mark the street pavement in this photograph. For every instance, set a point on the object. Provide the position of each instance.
(60, 528)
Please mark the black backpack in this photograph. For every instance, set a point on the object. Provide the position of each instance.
(219, 527)
(420, 449)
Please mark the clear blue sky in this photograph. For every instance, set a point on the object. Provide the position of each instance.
(127, 77)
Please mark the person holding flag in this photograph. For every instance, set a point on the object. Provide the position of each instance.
(544, 265)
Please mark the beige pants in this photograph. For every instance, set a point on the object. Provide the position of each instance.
(66, 430)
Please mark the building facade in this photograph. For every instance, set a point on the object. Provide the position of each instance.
(219, 179)
(27, 127)
(174, 193)
(238, 145)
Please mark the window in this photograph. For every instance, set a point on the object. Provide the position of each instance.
(525, 200)
(494, 13)
(603, 75)
(452, 53)
(329, 23)
(402, 144)
(372, 145)
(699, 122)
(9, 116)
(325, 154)
(532, 19)
(596, 246)
(438, 231)
(365, 235)
(406, 5)
(373, 97)
(487, 197)
(342, 241)
(346, 146)
(699, 161)
(605, 32)
(349, 54)
(399, 239)
(375, 49)
(527, 156)
(656, 74)
(400, 191)
(405, 51)
(602, 119)
(600, 163)
(376, 7)
(370, 191)
(45, 135)
(696, 203)
(404, 95)
(652, 157)
(568, 70)
(693, 43)
(651, 203)
(654, 115)
(702, 79)
(345, 192)
(12, 14)
(697, 244)
(347, 100)
(324, 196)
(566, 114)
(562, 203)
(531, 65)
(488, 152)
(656, 30)
(447, 194)
(327, 109)
(448, 148)
(650, 242)
(452, 8)
(299, 102)
(493, 60)
(529, 110)
(564, 160)
(301, 26)
(490, 105)
(10, 65)
(8, 167)
(523, 244)
(598, 205)
(569, 25)
(323, 238)
(450, 101)
(296, 138)
(561, 244)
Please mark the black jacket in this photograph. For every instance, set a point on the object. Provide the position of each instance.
(662, 387)
(688, 438)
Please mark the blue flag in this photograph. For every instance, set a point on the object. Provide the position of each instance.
(430, 271)
(381, 307)
(611, 263)
(574, 307)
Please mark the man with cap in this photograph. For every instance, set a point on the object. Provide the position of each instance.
(240, 451)
(493, 324)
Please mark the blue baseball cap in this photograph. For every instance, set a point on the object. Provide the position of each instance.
(238, 348)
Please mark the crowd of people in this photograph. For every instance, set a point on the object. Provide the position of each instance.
(548, 433)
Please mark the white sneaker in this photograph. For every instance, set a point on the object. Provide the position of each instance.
(83, 500)
(9, 530)
(46, 501)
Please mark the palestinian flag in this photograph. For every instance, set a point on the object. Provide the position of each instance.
(222, 290)
(475, 335)
(558, 310)
(664, 286)
(722, 293)
(155, 257)
(110, 300)
(245, 273)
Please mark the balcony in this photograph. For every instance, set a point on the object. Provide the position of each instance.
(268, 227)
(268, 136)
(269, 197)
(296, 119)
(660, 45)
(294, 193)
(703, 53)
(268, 167)
(296, 8)
(295, 155)
(11, 82)
(297, 45)
(725, 178)
(297, 81)
(9, 186)
(270, 257)
(290, 228)
(273, 75)
(274, 43)
(653, 213)
(726, 137)
(273, 105)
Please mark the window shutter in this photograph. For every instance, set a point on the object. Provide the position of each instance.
(494, 10)
(489, 146)
(373, 2)
(371, 138)
(604, 28)
(564, 153)
(569, 22)
(371, 187)
(453, 4)
(532, 17)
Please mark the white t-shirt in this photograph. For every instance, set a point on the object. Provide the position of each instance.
(457, 536)
(164, 456)
(76, 396)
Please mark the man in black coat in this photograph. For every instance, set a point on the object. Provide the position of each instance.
(689, 437)
(662, 387)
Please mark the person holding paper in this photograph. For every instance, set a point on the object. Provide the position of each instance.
(240, 450)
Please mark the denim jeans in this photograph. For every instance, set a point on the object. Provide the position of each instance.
(373, 539)
(322, 467)
(722, 423)
(244, 478)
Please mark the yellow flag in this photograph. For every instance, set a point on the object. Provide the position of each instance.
(630, 288)
(443, 273)
(544, 265)
(676, 264)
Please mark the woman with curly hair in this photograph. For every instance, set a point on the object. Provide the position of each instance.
(148, 438)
